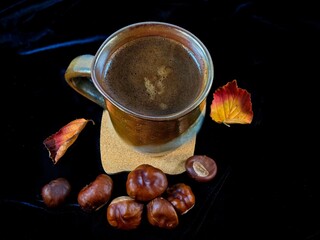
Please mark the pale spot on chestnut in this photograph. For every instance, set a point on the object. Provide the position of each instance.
(200, 169)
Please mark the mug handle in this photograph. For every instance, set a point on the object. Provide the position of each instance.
(78, 76)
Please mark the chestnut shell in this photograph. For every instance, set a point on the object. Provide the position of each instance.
(181, 196)
(96, 194)
(146, 182)
(55, 193)
(162, 214)
(201, 168)
(124, 213)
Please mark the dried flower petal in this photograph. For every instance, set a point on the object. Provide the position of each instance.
(231, 104)
(58, 143)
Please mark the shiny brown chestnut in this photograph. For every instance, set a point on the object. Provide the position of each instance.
(146, 182)
(124, 213)
(55, 193)
(201, 168)
(181, 196)
(162, 214)
(96, 194)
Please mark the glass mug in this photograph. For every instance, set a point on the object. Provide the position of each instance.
(153, 78)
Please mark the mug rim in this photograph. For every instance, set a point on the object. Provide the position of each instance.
(194, 104)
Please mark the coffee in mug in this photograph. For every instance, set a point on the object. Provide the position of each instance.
(153, 76)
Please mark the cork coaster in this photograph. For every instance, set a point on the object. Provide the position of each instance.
(117, 156)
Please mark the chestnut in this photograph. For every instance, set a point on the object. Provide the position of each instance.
(124, 213)
(161, 213)
(201, 168)
(146, 182)
(181, 197)
(55, 193)
(96, 194)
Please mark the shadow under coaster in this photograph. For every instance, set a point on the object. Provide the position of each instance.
(117, 156)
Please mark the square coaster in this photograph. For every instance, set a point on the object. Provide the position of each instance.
(117, 156)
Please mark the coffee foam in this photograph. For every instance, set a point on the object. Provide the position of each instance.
(153, 76)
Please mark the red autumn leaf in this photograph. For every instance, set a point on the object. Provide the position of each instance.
(231, 104)
(57, 144)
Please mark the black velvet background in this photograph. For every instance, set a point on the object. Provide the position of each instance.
(267, 185)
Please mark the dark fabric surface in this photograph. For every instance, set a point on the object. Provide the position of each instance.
(267, 185)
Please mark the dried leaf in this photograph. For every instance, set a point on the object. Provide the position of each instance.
(231, 105)
(58, 143)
